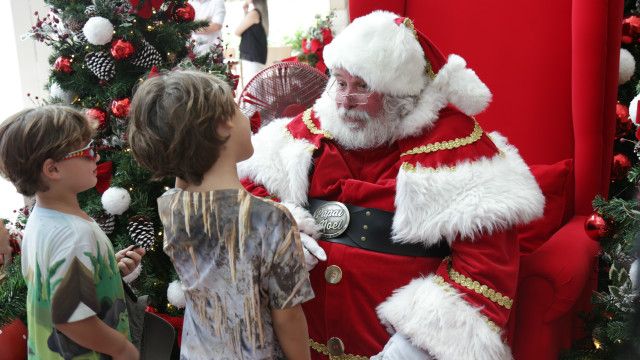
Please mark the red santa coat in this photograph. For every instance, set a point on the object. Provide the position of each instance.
(444, 178)
(452, 181)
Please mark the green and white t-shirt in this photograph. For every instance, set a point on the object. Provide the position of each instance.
(71, 273)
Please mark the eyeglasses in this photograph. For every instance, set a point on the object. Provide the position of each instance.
(88, 152)
(342, 94)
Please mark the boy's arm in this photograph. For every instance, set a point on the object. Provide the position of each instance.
(92, 333)
(290, 327)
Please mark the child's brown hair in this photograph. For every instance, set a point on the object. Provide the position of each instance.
(173, 123)
(31, 136)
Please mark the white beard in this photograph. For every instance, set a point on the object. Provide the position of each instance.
(377, 131)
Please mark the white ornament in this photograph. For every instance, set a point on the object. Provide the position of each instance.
(116, 200)
(633, 110)
(627, 66)
(175, 294)
(98, 30)
(57, 92)
(633, 274)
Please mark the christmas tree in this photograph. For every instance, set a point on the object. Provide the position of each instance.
(613, 324)
(101, 50)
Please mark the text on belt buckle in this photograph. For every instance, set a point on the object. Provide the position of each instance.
(333, 217)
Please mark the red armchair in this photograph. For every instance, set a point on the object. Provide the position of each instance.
(553, 68)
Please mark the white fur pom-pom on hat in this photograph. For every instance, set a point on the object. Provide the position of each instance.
(58, 93)
(175, 294)
(116, 200)
(627, 66)
(98, 30)
(462, 87)
(633, 110)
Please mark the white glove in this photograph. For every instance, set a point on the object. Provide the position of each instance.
(312, 251)
(309, 231)
(400, 348)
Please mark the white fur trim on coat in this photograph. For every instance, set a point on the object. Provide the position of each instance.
(435, 318)
(280, 163)
(472, 198)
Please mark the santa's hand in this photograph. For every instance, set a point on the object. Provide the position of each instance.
(400, 348)
(312, 251)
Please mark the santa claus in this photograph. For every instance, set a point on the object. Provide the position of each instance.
(407, 202)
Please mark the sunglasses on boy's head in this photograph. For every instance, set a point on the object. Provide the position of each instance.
(88, 152)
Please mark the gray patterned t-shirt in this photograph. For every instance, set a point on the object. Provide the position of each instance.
(238, 257)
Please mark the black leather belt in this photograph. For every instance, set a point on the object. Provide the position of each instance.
(369, 229)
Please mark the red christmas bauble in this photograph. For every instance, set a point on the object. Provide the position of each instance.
(327, 36)
(638, 134)
(623, 122)
(620, 166)
(310, 46)
(99, 116)
(121, 49)
(63, 64)
(185, 13)
(120, 108)
(630, 29)
(595, 226)
(13, 340)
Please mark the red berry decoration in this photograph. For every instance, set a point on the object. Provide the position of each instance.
(630, 29)
(98, 115)
(595, 226)
(620, 166)
(623, 121)
(121, 49)
(120, 108)
(63, 64)
(185, 13)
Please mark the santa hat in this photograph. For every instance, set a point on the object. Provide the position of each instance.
(387, 52)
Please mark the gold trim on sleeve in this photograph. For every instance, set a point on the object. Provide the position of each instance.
(322, 349)
(447, 145)
(306, 119)
(481, 289)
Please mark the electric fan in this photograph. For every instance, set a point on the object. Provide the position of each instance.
(283, 89)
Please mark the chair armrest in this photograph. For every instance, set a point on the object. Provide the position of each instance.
(567, 261)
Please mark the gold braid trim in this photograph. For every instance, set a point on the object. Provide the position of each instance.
(324, 350)
(306, 119)
(476, 134)
(428, 69)
(446, 287)
(483, 290)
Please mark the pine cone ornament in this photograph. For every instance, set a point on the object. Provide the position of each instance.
(141, 231)
(74, 24)
(101, 65)
(107, 222)
(146, 56)
(90, 11)
(79, 37)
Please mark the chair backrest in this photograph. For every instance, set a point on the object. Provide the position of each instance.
(551, 65)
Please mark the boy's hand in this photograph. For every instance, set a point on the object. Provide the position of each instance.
(5, 248)
(128, 259)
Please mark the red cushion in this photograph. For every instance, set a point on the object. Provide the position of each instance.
(554, 182)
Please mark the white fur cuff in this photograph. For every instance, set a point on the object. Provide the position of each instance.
(436, 318)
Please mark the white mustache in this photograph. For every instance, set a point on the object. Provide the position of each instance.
(353, 114)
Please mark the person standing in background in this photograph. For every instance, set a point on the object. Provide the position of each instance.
(212, 11)
(253, 31)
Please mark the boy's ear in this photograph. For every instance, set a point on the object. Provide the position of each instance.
(224, 128)
(50, 170)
